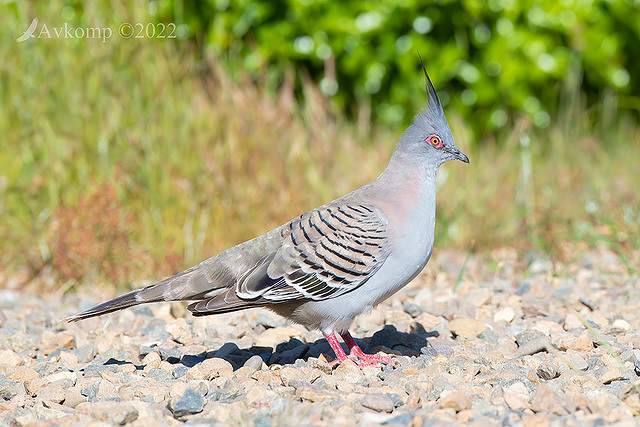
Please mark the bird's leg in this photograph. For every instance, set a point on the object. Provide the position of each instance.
(355, 350)
(341, 356)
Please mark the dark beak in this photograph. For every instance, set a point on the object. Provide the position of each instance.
(461, 157)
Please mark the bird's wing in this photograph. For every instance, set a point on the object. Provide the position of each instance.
(323, 253)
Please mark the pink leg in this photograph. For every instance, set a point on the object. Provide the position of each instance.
(355, 350)
(341, 356)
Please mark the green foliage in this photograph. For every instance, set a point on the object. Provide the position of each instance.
(492, 61)
(134, 158)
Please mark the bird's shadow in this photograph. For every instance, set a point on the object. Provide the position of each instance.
(388, 340)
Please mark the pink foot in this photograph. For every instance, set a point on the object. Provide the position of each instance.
(367, 359)
(355, 352)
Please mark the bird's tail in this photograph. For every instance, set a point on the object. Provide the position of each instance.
(174, 288)
(125, 301)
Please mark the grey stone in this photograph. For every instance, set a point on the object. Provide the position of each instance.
(378, 402)
(179, 371)
(171, 355)
(7, 389)
(254, 362)
(100, 368)
(529, 335)
(412, 309)
(189, 403)
(159, 375)
(523, 289)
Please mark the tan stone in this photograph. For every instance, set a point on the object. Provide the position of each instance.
(466, 328)
(456, 400)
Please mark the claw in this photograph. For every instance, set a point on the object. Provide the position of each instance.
(356, 354)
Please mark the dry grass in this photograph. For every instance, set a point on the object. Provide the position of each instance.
(130, 160)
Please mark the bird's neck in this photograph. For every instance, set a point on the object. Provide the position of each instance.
(407, 188)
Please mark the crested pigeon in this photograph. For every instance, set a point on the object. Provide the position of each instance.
(335, 262)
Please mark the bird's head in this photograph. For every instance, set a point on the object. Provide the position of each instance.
(429, 139)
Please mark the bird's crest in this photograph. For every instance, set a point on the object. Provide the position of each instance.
(434, 108)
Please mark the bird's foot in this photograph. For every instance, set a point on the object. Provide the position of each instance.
(369, 359)
(356, 355)
(364, 360)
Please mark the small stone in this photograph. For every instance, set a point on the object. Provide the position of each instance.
(456, 400)
(178, 309)
(210, 369)
(54, 392)
(159, 375)
(189, 403)
(20, 341)
(86, 353)
(114, 412)
(507, 314)
(179, 371)
(534, 346)
(535, 420)
(254, 362)
(313, 395)
(259, 393)
(216, 367)
(580, 344)
(378, 402)
(290, 375)
(610, 375)
(32, 386)
(180, 331)
(69, 358)
(571, 321)
(9, 359)
(548, 371)
(151, 360)
(543, 399)
(578, 362)
(72, 398)
(466, 328)
(51, 341)
(274, 336)
(349, 371)
(529, 335)
(412, 309)
(7, 390)
(515, 402)
(619, 326)
(171, 355)
(23, 374)
(320, 364)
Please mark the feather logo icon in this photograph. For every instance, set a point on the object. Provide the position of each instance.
(29, 33)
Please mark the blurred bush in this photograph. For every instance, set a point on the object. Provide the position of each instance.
(492, 61)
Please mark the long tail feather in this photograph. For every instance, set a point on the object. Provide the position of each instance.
(128, 300)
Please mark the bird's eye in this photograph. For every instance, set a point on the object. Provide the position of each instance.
(435, 141)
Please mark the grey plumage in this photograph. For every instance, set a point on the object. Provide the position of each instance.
(328, 265)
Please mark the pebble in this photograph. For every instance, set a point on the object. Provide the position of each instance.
(274, 336)
(466, 328)
(9, 359)
(504, 350)
(456, 400)
(378, 402)
(548, 371)
(505, 315)
(188, 403)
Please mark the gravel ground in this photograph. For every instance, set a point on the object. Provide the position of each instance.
(520, 341)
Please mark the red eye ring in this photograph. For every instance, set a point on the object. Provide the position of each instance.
(435, 141)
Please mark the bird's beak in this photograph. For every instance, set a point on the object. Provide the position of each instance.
(458, 155)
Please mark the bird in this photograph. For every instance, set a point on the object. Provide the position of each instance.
(331, 264)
